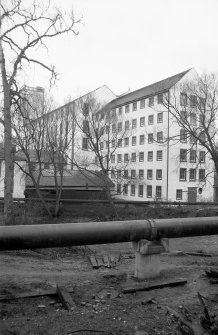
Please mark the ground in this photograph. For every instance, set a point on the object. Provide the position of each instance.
(22, 271)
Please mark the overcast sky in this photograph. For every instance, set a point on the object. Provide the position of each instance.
(128, 44)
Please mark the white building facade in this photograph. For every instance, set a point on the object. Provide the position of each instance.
(161, 162)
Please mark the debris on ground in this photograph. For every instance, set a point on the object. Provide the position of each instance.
(148, 287)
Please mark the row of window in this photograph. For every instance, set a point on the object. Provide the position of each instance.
(126, 141)
(192, 174)
(141, 156)
(139, 104)
(192, 100)
(133, 174)
(192, 138)
(119, 126)
(192, 156)
(141, 190)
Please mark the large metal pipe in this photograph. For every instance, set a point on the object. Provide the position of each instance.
(73, 234)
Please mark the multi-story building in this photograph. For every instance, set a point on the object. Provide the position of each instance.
(163, 162)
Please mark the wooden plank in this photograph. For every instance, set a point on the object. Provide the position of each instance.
(40, 293)
(154, 286)
(65, 298)
(106, 261)
(93, 262)
(201, 254)
(99, 261)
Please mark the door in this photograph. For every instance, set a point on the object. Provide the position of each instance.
(192, 194)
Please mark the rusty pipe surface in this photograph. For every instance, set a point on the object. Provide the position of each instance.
(85, 233)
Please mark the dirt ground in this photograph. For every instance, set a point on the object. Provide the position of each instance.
(96, 312)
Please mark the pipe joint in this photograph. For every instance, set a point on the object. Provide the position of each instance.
(153, 230)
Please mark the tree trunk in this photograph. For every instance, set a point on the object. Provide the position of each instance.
(108, 193)
(8, 146)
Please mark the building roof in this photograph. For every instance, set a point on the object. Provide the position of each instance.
(72, 178)
(147, 91)
(20, 155)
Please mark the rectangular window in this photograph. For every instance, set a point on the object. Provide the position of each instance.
(119, 174)
(112, 174)
(126, 125)
(127, 109)
(142, 121)
(192, 156)
(202, 156)
(193, 100)
(183, 155)
(85, 126)
(150, 138)
(202, 137)
(113, 128)
(193, 119)
(182, 174)
(151, 119)
(119, 126)
(201, 174)
(160, 98)
(183, 116)
(134, 140)
(183, 136)
(113, 113)
(113, 143)
(133, 157)
(150, 156)
(107, 129)
(159, 174)
(134, 106)
(159, 136)
(192, 139)
(46, 166)
(101, 145)
(160, 117)
(141, 190)
(119, 188)
(142, 103)
(125, 189)
(151, 101)
(192, 174)
(120, 110)
(183, 99)
(125, 174)
(149, 191)
(119, 143)
(178, 194)
(126, 158)
(134, 123)
(85, 143)
(158, 192)
(132, 190)
(126, 141)
(141, 157)
(119, 158)
(85, 109)
(149, 174)
(112, 158)
(159, 155)
(141, 174)
(142, 139)
(133, 174)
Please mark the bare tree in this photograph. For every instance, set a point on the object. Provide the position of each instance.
(24, 27)
(44, 139)
(100, 137)
(194, 108)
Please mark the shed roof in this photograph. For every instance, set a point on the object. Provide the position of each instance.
(72, 178)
